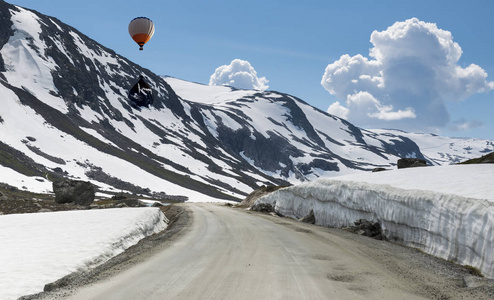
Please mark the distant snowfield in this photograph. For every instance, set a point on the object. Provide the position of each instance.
(37, 249)
(201, 93)
(446, 211)
(444, 150)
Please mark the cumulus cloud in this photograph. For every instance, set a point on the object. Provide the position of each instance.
(411, 74)
(338, 110)
(239, 74)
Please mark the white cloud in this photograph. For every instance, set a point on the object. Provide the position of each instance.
(364, 105)
(338, 110)
(411, 73)
(239, 74)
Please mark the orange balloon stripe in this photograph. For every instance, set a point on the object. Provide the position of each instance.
(141, 38)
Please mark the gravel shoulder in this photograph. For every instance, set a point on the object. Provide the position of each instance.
(179, 219)
(225, 252)
(424, 275)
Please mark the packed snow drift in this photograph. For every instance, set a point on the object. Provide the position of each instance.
(41, 248)
(446, 211)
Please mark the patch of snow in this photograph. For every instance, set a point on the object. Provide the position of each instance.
(25, 67)
(201, 93)
(99, 136)
(23, 182)
(40, 248)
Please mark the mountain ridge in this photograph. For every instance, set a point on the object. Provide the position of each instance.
(196, 140)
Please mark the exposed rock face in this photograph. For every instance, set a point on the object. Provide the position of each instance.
(262, 191)
(379, 169)
(73, 191)
(411, 163)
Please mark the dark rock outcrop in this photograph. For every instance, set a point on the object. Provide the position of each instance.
(263, 207)
(486, 159)
(411, 163)
(73, 191)
(367, 228)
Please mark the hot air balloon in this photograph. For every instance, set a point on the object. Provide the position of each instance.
(141, 30)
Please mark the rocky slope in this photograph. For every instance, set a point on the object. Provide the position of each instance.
(66, 112)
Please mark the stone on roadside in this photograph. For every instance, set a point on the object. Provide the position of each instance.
(367, 228)
(471, 281)
(263, 207)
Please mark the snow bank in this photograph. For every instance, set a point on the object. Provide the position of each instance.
(34, 184)
(40, 248)
(445, 211)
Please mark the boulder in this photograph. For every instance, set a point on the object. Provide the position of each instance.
(411, 163)
(367, 228)
(263, 207)
(73, 191)
(471, 281)
(310, 218)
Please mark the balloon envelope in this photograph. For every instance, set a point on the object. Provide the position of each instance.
(141, 30)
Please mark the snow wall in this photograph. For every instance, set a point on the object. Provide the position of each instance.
(448, 226)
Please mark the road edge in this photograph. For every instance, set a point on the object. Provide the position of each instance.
(179, 217)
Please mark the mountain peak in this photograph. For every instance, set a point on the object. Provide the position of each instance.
(71, 96)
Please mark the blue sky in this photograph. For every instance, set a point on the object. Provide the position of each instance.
(290, 44)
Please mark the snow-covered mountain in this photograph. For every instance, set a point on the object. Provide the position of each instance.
(66, 112)
(439, 150)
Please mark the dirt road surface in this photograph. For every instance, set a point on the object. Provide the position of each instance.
(229, 253)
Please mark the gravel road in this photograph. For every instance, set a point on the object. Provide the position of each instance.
(230, 253)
